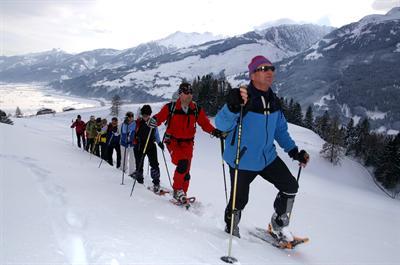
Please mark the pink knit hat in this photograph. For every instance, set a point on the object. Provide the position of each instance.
(256, 62)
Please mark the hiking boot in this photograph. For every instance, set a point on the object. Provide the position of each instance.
(180, 196)
(156, 188)
(236, 215)
(278, 231)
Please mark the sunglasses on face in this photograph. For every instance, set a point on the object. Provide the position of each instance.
(265, 68)
(187, 91)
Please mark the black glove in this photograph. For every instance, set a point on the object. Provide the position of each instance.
(234, 99)
(152, 122)
(303, 157)
(217, 133)
(161, 145)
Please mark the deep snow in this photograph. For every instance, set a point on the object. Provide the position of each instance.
(58, 207)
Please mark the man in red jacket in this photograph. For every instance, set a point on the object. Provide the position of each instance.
(80, 127)
(181, 117)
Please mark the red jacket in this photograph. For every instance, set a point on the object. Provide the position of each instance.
(183, 125)
(80, 126)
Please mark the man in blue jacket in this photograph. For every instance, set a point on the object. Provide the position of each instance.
(263, 122)
(127, 136)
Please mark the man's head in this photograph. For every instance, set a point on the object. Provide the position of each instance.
(185, 93)
(146, 112)
(261, 72)
(92, 118)
(114, 121)
(129, 117)
(78, 117)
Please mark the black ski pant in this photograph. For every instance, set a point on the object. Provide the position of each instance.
(110, 152)
(78, 137)
(276, 173)
(89, 144)
(151, 153)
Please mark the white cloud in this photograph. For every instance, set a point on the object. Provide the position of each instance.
(75, 26)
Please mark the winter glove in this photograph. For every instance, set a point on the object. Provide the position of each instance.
(303, 157)
(217, 133)
(161, 145)
(152, 122)
(234, 99)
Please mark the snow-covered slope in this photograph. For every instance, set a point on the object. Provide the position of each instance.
(182, 39)
(57, 207)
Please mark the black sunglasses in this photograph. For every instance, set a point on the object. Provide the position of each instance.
(187, 90)
(265, 68)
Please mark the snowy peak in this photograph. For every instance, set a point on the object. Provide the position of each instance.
(393, 14)
(295, 38)
(181, 39)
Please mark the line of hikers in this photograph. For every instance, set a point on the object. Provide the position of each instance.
(250, 122)
(102, 139)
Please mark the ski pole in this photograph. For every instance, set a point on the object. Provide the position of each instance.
(72, 133)
(142, 158)
(166, 167)
(298, 174)
(123, 167)
(223, 169)
(229, 258)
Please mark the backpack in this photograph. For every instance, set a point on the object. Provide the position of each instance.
(171, 107)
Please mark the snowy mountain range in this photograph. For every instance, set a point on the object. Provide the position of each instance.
(354, 71)
(151, 71)
(158, 77)
(59, 207)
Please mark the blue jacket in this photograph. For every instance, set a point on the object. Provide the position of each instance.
(127, 134)
(262, 124)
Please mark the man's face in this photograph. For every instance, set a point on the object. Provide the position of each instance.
(186, 97)
(263, 76)
(145, 117)
(114, 123)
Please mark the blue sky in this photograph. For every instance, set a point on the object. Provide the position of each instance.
(80, 25)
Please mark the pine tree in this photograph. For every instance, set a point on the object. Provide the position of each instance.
(290, 108)
(388, 170)
(333, 148)
(115, 105)
(350, 136)
(297, 114)
(18, 113)
(322, 125)
(362, 132)
(309, 119)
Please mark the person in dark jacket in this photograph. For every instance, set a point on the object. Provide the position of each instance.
(263, 123)
(113, 140)
(179, 136)
(80, 127)
(141, 135)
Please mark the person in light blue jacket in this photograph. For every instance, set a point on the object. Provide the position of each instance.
(263, 123)
(128, 128)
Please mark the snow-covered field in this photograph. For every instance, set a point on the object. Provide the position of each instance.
(58, 207)
(31, 97)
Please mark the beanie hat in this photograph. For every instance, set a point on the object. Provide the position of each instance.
(185, 87)
(256, 62)
(145, 110)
